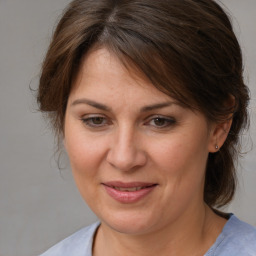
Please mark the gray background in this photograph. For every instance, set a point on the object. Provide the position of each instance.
(39, 205)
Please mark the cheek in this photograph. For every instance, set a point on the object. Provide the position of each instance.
(180, 150)
(84, 156)
(182, 166)
(182, 161)
(84, 152)
(85, 160)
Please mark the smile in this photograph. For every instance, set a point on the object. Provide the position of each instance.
(128, 192)
(129, 189)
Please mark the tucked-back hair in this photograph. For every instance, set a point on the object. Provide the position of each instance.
(188, 50)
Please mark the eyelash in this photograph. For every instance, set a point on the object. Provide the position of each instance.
(166, 121)
(88, 121)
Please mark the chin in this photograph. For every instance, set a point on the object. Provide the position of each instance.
(129, 223)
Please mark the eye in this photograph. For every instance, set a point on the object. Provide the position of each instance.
(95, 121)
(161, 122)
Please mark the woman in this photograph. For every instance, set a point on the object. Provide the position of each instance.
(149, 100)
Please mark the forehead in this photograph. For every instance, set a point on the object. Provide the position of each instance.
(102, 74)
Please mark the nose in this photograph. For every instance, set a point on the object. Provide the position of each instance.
(126, 150)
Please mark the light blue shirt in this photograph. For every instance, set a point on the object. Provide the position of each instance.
(236, 239)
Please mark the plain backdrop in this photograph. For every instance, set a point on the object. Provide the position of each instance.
(39, 204)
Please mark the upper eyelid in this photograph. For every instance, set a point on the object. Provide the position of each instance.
(92, 115)
(145, 119)
(169, 120)
(88, 122)
(160, 116)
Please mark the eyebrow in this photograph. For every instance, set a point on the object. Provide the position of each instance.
(106, 108)
(156, 106)
(91, 103)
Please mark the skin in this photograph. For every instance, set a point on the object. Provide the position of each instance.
(112, 133)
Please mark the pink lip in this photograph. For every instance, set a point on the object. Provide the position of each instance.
(128, 196)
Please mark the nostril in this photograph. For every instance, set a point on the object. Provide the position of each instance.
(126, 161)
(125, 149)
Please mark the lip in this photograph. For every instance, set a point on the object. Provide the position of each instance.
(112, 188)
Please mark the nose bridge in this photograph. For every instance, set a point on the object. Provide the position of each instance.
(125, 152)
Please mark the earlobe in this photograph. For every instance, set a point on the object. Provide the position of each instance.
(219, 135)
(220, 130)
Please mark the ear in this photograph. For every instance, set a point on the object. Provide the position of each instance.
(218, 135)
(219, 131)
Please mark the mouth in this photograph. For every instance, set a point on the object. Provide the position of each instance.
(128, 192)
(128, 186)
(131, 189)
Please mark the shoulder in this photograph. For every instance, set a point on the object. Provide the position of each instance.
(237, 239)
(80, 243)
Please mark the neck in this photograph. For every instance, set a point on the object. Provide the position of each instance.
(190, 235)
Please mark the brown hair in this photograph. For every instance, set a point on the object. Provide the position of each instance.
(188, 50)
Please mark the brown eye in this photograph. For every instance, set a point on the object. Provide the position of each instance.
(161, 122)
(95, 121)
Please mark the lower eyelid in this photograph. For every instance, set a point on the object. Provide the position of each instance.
(90, 119)
(87, 120)
(168, 119)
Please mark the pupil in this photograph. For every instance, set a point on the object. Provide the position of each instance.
(159, 121)
(97, 120)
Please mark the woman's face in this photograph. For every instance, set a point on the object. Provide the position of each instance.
(138, 157)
